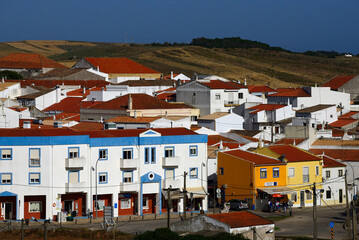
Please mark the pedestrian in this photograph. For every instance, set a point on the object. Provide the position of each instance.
(285, 207)
(277, 205)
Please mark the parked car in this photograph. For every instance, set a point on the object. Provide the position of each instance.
(237, 204)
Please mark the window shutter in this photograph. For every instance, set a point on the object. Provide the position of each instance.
(127, 174)
(6, 177)
(34, 154)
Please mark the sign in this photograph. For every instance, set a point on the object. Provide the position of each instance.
(218, 191)
(331, 224)
(270, 184)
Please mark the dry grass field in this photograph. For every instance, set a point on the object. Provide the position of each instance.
(258, 66)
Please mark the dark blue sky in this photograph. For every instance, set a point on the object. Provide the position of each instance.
(297, 25)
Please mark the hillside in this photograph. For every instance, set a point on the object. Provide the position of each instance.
(258, 66)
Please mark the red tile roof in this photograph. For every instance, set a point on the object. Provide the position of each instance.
(217, 84)
(260, 89)
(28, 61)
(88, 126)
(166, 96)
(337, 82)
(18, 109)
(293, 154)
(54, 83)
(139, 101)
(71, 105)
(340, 154)
(80, 91)
(291, 141)
(255, 158)
(171, 89)
(118, 65)
(266, 107)
(348, 115)
(343, 122)
(169, 76)
(330, 162)
(290, 92)
(240, 219)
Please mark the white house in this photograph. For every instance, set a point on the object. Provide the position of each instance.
(321, 114)
(45, 171)
(10, 89)
(221, 121)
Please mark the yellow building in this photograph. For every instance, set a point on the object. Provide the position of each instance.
(243, 175)
(303, 168)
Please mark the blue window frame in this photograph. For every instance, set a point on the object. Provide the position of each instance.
(73, 152)
(34, 157)
(102, 177)
(150, 155)
(5, 178)
(221, 171)
(153, 155)
(6, 154)
(147, 155)
(102, 154)
(127, 176)
(193, 173)
(263, 173)
(127, 153)
(193, 151)
(169, 151)
(170, 173)
(34, 178)
(276, 172)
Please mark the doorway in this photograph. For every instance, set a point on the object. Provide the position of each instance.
(340, 195)
(69, 206)
(302, 199)
(7, 208)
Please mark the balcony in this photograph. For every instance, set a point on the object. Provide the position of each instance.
(129, 163)
(231, 103)
(129, 187)
(170, 161)
(75, 187)
(75, 163)
(174, 183)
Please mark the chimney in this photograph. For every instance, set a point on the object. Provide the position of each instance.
(135, 114)
(171, 74)
(26, 125)
(129, 102)
(83, 91)
(98, 68)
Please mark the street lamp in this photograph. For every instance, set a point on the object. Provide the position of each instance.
(96, 203)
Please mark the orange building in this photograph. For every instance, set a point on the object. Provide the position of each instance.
(243, 175)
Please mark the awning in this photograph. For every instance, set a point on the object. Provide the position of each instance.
(174, 194)
(277, 190)
(198, 192)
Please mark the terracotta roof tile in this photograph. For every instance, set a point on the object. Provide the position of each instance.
(266, 107)
(139, 83)
(334, 142)
(343, 122)
(290, 92)
(291, 141)
(88, 126)
(293, 154)
(80, 92)
(330, 162)
(240, 219)
(166, 96)
(119, 65)
(260, 89)
(255, 158)
(340, 154)
(348, 114)
(337, 82)
(28, 61)
(71, 105)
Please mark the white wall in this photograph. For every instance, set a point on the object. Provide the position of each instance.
(229, 122)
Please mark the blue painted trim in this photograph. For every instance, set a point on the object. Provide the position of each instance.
(1, 178)
(30, 183)
(123, 178)
(68, 151)
(30, 157)
(100, 173)
(103, 159)
(153, 155)
(7, 194)
(125, 149)
(169, 147)
(41, 140)
(190, 173)
(147, 155)
(5, 159)
(264, 170)
(276, 168)
(193, 155)
(68, 176)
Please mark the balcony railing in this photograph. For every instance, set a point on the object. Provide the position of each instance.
(75, 187)
(171, 161)
(75, 163)
(231, 103)
(129, 187)
(173, 183)
(129, 163)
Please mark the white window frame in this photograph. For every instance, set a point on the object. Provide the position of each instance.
(34, 159)
(33, 180)
(291, 175)
(169, 150)
(5, 155)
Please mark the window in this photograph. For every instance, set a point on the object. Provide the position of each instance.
(145, 202)
(193, 118)
(305, 174)
(275, 172)
(327, 174)
(102, 178)
(193, 173)
(328, 194)
(6, 178)
(221, 171)
(291, 172)
(340, 173)
(309, 195)
(6, 154)
(170, 174)
(34, 157)
(193, 151)
(316, 170)
(293, 197)
(217, 96)
(240, 95)
(125, 203)
(127, 153)
(153, 155)
(34, 207)
(74, 152)
(263, 173)
(34, 178)
(102, 154)
(127, 176)
(331, 116)
(169, 152)
(99, 205)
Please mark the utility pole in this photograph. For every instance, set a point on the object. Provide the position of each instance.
(315, 232)
(184, 195)
(45, 230)
(354, 215)
(22, 229)
(347, 203)
(168, 206)
(254, 233)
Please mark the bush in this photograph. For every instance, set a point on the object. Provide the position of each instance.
(10, 75)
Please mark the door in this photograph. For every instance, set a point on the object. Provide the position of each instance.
(340, 195)
(230, 98)
(302, 199)
(135, 207)
(69, 206)
(8, 210)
